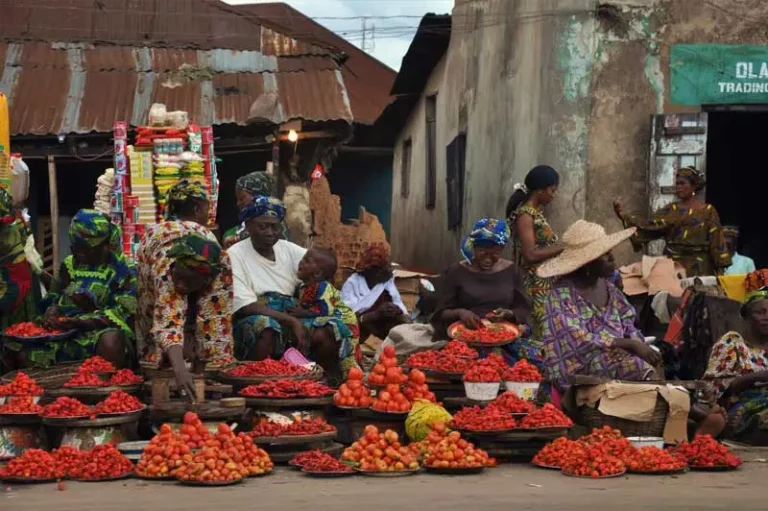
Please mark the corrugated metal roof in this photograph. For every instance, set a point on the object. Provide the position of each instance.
(199, 24)
(367, 80)
(64, 87)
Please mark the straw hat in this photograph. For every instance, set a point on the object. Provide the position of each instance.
(584, 242)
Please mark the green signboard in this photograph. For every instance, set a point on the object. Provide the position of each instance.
(705, 74)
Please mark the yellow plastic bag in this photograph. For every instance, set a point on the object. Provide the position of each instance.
(734, 286)
(423, 414)
(5, 128)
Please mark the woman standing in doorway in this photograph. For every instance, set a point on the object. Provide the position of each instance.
(533, 239)
(689, 226)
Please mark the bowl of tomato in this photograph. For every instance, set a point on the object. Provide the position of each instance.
(31, 332)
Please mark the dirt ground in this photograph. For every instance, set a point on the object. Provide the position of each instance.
(519, 486)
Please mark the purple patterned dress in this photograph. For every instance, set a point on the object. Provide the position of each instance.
(577, 336)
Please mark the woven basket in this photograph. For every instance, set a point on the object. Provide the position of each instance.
(593, 418)
(51, 378)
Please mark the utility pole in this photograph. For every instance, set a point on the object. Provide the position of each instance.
(368, 45)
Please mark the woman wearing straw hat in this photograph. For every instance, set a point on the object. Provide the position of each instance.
(589, 324)
(690, 227)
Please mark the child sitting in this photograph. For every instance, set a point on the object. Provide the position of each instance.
(320, 308)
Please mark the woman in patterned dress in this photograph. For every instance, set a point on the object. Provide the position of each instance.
(589, 327)
(533, 239)
(690, 227)
(184, 290)
(94, 293)
(738, 365)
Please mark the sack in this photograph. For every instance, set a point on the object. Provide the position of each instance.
(421, 417)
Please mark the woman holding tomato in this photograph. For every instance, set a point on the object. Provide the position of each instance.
(95, 294)
(484, 284)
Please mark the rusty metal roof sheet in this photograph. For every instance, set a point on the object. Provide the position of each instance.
(199, 24)
(63, 87)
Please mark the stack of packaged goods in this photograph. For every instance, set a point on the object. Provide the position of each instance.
(103, 197)
(193, 167)
(167, 162)
(140, 159)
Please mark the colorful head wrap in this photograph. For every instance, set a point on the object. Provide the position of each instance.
(752, 297)
(263, 206)
(375, 256)
(486, 232)
(694, 176)
(91, 228)
(197, 253)
(256, 183)
(756, 280)
(181, 192)
(6, 207)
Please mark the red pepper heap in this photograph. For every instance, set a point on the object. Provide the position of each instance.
(22, 385)
(102, 462)
(285, 388)
(267, 367)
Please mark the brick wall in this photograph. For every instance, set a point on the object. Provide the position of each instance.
(349, 241)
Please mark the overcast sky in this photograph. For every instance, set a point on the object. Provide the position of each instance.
(391, 37)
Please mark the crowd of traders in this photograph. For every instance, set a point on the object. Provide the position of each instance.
(189, 303)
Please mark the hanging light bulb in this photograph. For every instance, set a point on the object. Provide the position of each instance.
(293, 136)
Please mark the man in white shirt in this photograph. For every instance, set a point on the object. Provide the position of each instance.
(264, 271)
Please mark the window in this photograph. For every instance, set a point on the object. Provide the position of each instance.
(455, 157)
(405, 169)
(431, 124)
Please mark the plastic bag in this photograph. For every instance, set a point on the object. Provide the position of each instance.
(422, 415)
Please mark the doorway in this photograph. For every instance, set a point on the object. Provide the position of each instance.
(737, 177)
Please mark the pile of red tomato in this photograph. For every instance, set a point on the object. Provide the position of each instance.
(67, 459)
(267, 367)
(322, 463)
(512, 403)
(439, 361)
(22, 385)
(32, 464)
(29, 329)
(118, 402)
(652, 459)
(101, 462)
(96, 364)
(555, 453)
(486, 333)
(386, 371)
(287, 389)
(125, 377)
(66, 406)
(522, 371)
(380, 452)
(453, 452)
(313, 426)
(353, 393)
(459, 349)
(21, 405)
(85, 379)
(706, 452)
(483, 371)
(548, 416)
(417, 387)
(490, 418)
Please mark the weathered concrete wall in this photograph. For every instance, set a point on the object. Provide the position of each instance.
(630, 82)
(569, 83)
(516, 78)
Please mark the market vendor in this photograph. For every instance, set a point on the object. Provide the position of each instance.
(265, 270)
(372, 294)
(589, 327)
(246, 188)
(19, 291)
(689, 226)
(94, 293)
(738, 368)
(485, 284)
(184, 290)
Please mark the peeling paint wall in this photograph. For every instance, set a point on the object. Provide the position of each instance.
(569, 83)
(516, 79)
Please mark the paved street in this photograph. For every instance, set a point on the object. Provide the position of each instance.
(513, 487)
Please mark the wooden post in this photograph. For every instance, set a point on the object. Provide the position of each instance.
(54, 197)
